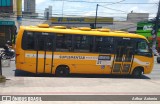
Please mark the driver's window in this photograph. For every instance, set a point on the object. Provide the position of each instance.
(142, 46)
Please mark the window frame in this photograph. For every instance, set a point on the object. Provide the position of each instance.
(147, 54)
(36, 38)
(61, 49)
(87, 50)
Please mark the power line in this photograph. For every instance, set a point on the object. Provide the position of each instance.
(81, 1)
(100, 2)
(115, 2)
(113, 9)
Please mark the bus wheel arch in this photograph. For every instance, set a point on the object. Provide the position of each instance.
(62, 71)
(137, 72)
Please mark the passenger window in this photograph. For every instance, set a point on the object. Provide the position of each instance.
(38, 41)
(63, 42)
(104, 44)
(45, 41)
(28, 41)
(81, 43)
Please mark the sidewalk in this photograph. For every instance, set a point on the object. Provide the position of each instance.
(53, 85)
(77, 85)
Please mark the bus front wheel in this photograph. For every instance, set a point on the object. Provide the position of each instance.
(137, 73)
(158, 59)
(62, 71)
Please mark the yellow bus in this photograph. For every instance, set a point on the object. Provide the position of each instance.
(61, 51)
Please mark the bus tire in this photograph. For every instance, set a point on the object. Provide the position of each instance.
(158, 59)
(18, 73)
(62, 71)
(137, 72)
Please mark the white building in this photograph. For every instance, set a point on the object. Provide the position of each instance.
(48, 12)
(29, 6)
(137, 17)
(30, 9)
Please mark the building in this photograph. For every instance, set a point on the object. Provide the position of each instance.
(48, 12)
(137, 17)
(30, 8)
(7, 20)
(6, 8)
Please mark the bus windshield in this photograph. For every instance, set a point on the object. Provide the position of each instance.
(143, 46)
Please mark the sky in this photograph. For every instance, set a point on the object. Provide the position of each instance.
(106, 8)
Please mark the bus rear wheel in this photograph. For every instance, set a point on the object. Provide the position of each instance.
(62, 71)
(158, 59)
(137, 73)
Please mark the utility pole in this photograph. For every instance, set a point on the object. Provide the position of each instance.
(96, 16)
(155, 31)
(19, 13)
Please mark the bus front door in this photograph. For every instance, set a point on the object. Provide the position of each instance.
(44, 56)
(124, 56)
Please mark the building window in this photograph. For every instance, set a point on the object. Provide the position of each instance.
(8, 2)
(4, 3)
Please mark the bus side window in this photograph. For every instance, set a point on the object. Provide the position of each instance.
(50, 43)
(104, 44)
(28, 41)
(63, 42)
(81, 43)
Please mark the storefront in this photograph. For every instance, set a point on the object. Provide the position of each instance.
(7, 31)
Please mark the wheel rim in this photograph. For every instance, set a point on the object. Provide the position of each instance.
(137, 73)
(62, 72)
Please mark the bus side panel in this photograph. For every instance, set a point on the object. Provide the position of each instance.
(143, 61)
(83, 66)
(19, 51)
(44, 62)
(49, 64)
(30, 61)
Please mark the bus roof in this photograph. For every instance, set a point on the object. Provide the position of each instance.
(81, 31)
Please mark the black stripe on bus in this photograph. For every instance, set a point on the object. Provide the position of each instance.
(37, 62)
(37, 56)
(44, 62)
(52, 56)
(45, 46)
